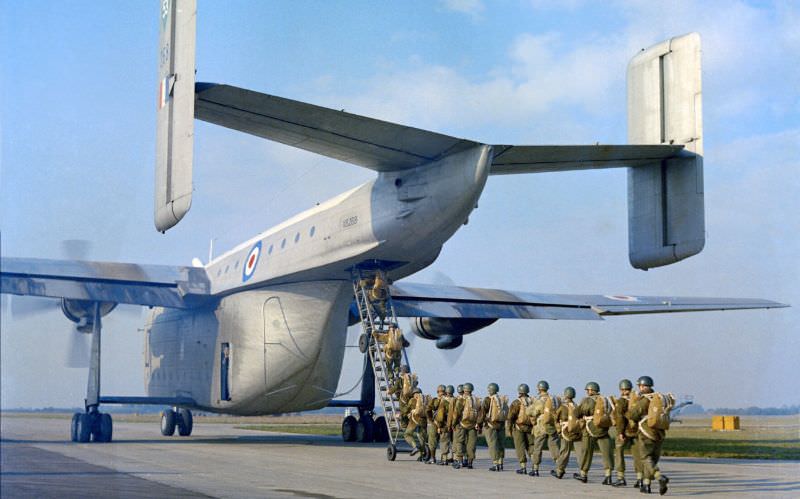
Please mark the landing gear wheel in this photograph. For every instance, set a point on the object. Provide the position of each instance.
(73, 427)
(104, 428)
(349, 429)
(363, 343)
(379, 430)
(364, 429)
(168, 422)
(83, 429)
(391, 452)
(185, 422)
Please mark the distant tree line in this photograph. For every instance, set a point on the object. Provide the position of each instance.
(784, 410)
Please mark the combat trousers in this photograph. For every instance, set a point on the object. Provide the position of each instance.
(619, 456)
(459, 441)
(393, 364)
(587, 449)
(649, 453)
(538, 445)
(445, 445)
(415, 435)
(495, 439)
(470, 442)
(563, 455)
(523, 444)
(433, 439)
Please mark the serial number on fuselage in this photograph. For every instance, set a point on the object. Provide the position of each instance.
(348, 222)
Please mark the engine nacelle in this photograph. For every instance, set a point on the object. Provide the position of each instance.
(81, 312)
(448, 333)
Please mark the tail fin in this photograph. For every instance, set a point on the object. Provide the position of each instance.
(175, 128)
(666, 221)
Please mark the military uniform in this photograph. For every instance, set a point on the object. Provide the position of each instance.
(431, 413)
(468, 427)
(649, 440)
(626, 436)
(544, 429)
(518, 425)
(415, 433)
(392, 353)
(568, 437)
(593, 434)
(458, 431)
(493, 431)
(441, 420)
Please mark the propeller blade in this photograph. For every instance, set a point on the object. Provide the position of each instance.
(76, 249)
(23, 307)
(451, 356)
(78, 350)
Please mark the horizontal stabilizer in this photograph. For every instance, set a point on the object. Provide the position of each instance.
(422, 300)
(539, 159)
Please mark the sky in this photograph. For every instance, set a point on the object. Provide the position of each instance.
(79, 87)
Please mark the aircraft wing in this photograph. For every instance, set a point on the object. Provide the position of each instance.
(151, 285)
(385, 146)
(421, 300)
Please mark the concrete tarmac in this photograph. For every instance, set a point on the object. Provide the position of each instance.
(219, 460)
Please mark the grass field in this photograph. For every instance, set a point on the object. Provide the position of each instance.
(761, 437)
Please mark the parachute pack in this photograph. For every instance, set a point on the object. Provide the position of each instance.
(409, 381)
(659, 409)
(441, 412)
(602, 412)
(571, 428)
(498, 409)
(420, 404)
(394, 341)
(522, 416)
(469, 415)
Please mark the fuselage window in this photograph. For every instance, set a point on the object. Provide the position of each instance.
(236, 265)
(269, 252)
(296, 238)
(312, 231)
(219, 272)
(283, 244)
(227, 268)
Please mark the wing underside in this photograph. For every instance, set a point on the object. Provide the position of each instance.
(150, 285)
(420, 300)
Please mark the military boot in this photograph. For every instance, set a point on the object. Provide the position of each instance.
(456, 465)
(644, 488)
(607, 480)
(534, 473)
(579, 477)
(557, 474)
(662, 484)
(496, 467)
(464, 463)
(469, 464)
(522, 471)
(638, 483)
(620, 483)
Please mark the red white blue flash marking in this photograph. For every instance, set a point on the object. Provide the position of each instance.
(251, 261)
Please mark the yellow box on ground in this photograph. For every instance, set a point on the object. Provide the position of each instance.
(717, 423)
(731, 422)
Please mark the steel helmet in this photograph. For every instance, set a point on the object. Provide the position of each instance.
(492, 388)
(417, 390)
(569, 392)
(625, 384)
(593, 386)
(440, 388)
(449, 390)
(543, 385)
(468, 387)
(523, 388)
(645, 380)
(460, 389)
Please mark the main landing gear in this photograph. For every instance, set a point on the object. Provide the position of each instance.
(365, 429)
(93, 425)
(180, 419)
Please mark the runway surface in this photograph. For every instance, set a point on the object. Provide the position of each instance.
(221, 461)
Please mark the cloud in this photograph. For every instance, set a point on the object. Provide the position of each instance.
(471, 7)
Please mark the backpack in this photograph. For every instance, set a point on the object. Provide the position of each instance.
(522, 416)
(469, 416)
(658, 410)
(498, 409)
(420, 403)
(602, 410)
(571, 428)
(394, 342)
(551, 405)
(409, 380)
(439, 416)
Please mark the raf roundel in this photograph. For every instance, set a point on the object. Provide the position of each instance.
(251, 261)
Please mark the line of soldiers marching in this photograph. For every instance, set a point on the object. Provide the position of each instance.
(450, 422)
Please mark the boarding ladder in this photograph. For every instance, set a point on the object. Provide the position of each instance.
(371, 321)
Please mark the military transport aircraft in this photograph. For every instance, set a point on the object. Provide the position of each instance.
(261, 328)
